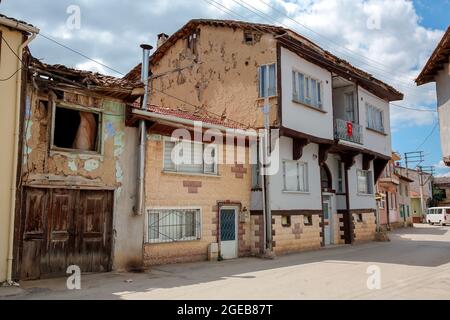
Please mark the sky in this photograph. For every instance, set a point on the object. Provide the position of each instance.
(391, 39)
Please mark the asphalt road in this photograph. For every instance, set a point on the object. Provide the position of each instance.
(414, 265)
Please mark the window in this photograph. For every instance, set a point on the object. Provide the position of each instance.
(350, 110)
(295, 176)
(267, 81)
(75, 129)
(191, 42)
(286, 221)
(190, 157)
(340, 178)
(307, 90)
(383, 201)
(170, 225)
(364, 182)
(374, 118)
(307, 220)
(358, 217)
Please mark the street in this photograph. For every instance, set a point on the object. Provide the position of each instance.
(414, 265)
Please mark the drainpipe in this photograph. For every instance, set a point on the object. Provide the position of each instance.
(266, 197)
(15, 159)
(139, 209)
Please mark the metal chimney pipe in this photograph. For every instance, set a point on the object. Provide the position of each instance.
(140, 201)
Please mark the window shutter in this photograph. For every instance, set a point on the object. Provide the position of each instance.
(295, 95)
(169, 164)
(262, 81)
(272, 80)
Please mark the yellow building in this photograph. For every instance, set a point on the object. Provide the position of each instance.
(14, 37)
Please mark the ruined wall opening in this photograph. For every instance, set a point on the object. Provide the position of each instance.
(76, 130)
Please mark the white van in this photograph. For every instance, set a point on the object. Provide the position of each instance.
(439, 215)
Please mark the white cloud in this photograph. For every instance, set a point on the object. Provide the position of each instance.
(92, 66)
(394, 52)
(393, 48)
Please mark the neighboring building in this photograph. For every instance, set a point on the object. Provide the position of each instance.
(14, 37)
(420, 199)
(404, 201)
(441, 191)
(78, 174)
(437, 69)
(334, 127)
(388, 185)
(196, 211)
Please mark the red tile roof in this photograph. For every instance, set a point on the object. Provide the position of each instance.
(200, 115)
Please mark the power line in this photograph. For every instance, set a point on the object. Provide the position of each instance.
(8, 78)
(414, 109)
(327, 38)
(12, 50)
(79, 53)
(429, 136)
(383, 72)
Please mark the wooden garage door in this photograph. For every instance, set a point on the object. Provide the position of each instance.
(63, 227)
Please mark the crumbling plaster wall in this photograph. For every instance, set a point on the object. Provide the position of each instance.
(114, 169)
(223, 77)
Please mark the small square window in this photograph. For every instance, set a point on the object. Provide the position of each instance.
(286, 221)
(307, 220)
(358, 217)
(75, 129)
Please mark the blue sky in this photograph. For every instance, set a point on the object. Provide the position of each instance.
(433, 14)
(394, 49)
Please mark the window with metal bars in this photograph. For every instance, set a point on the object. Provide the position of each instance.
(171, 225)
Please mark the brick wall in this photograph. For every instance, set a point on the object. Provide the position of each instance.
(171, 190)
(365, 230)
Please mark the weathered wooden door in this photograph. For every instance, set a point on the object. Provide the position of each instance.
(63, 227)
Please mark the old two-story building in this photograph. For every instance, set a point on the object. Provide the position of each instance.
(420, 191)
(395, 205)
(437, 69)
(333, 122)
(14, 37)
(77, 174)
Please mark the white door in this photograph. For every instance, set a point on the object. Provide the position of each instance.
(228, 233)
(327, 221)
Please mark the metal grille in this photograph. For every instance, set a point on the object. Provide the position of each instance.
(170, 225)
(342, 131)
(227, 225)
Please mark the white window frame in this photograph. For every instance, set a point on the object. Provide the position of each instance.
(369, 179)
(264, 92)
(306, 90)
(300, 165)
(160, 240)
(177, 165)
(372, 114)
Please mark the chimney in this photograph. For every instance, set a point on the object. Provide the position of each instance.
(162, 37)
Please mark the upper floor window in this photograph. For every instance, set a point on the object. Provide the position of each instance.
(351, 112)
(295, 175)
(190, 157)
(76, 129)
(267, 80)
(374, 118)
(364, 181)
(307, 90)
(191, 42)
